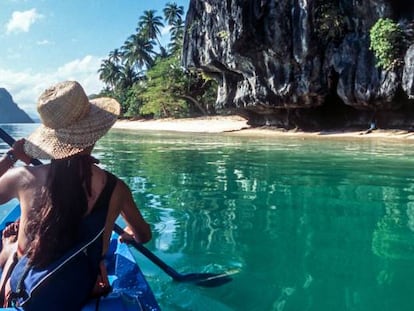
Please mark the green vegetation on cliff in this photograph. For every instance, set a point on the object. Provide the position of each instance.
(387, 42)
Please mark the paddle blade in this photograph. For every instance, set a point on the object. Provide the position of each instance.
(215, 280)
(202, 279)
(205, 279)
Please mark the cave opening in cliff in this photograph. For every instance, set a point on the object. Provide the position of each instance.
(334, 113)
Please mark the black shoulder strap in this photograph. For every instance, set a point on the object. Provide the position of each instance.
(95, 221)
(106, 192)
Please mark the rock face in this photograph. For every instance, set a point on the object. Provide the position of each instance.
(9, 111)
(301, 63)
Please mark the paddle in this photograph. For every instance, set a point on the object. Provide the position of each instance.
(10, 141)
(202, 279)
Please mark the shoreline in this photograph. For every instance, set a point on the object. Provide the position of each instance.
(236, 125)
(214, 124)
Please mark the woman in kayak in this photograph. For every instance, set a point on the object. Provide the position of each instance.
(63, 202)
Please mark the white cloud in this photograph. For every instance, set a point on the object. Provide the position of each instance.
(43, 42)
(165, 30)
(165, 36)
(21, 21)
(25, 87)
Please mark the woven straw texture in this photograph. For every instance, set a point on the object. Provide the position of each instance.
(71, 122)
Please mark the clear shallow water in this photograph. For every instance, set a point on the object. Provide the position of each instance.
(307, 224)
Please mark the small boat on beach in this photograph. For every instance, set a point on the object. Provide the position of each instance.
(130, 289)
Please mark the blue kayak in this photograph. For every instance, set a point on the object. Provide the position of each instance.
(131, 290)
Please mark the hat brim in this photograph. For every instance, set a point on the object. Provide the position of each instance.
(48, 143)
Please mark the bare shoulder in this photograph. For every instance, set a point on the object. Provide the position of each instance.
(29, 171)
(122, 190)
(20, 181)
(121, 185)
(32, 175)
(20, 175)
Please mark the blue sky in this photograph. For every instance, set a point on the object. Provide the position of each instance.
(46, 41)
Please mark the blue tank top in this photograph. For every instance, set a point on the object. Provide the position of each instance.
(66, 284)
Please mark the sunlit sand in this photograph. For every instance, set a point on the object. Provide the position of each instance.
(237, 125)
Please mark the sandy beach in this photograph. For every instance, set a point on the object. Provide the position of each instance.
(216, 124)
(237, 125)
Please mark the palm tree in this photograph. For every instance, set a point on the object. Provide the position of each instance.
(109, 73)
(149, 25)
(177, 35)
(128, 76)
(137, 51)
(115, 56)
(173, 13)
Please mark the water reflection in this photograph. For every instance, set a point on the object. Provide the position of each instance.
(314, 225)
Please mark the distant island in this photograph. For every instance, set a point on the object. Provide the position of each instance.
(10, 111)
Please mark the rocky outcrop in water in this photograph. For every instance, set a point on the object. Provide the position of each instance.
(301, 63)
(9, 111)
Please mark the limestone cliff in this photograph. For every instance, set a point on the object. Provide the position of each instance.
(281, 63)
(9, 111)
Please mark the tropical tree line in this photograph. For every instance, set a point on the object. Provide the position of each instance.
(147, 78)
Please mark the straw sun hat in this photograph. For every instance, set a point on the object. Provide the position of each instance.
(70, 121)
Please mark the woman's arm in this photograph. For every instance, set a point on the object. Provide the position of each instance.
(137, 227)
(6, 162)
(8, 185)
(9, 178)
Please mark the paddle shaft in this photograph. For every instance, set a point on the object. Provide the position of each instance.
(151, 256)
(10, 141)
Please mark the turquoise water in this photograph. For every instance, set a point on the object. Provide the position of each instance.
(305, 224)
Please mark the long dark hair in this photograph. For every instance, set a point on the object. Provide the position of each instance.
(53, 225)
